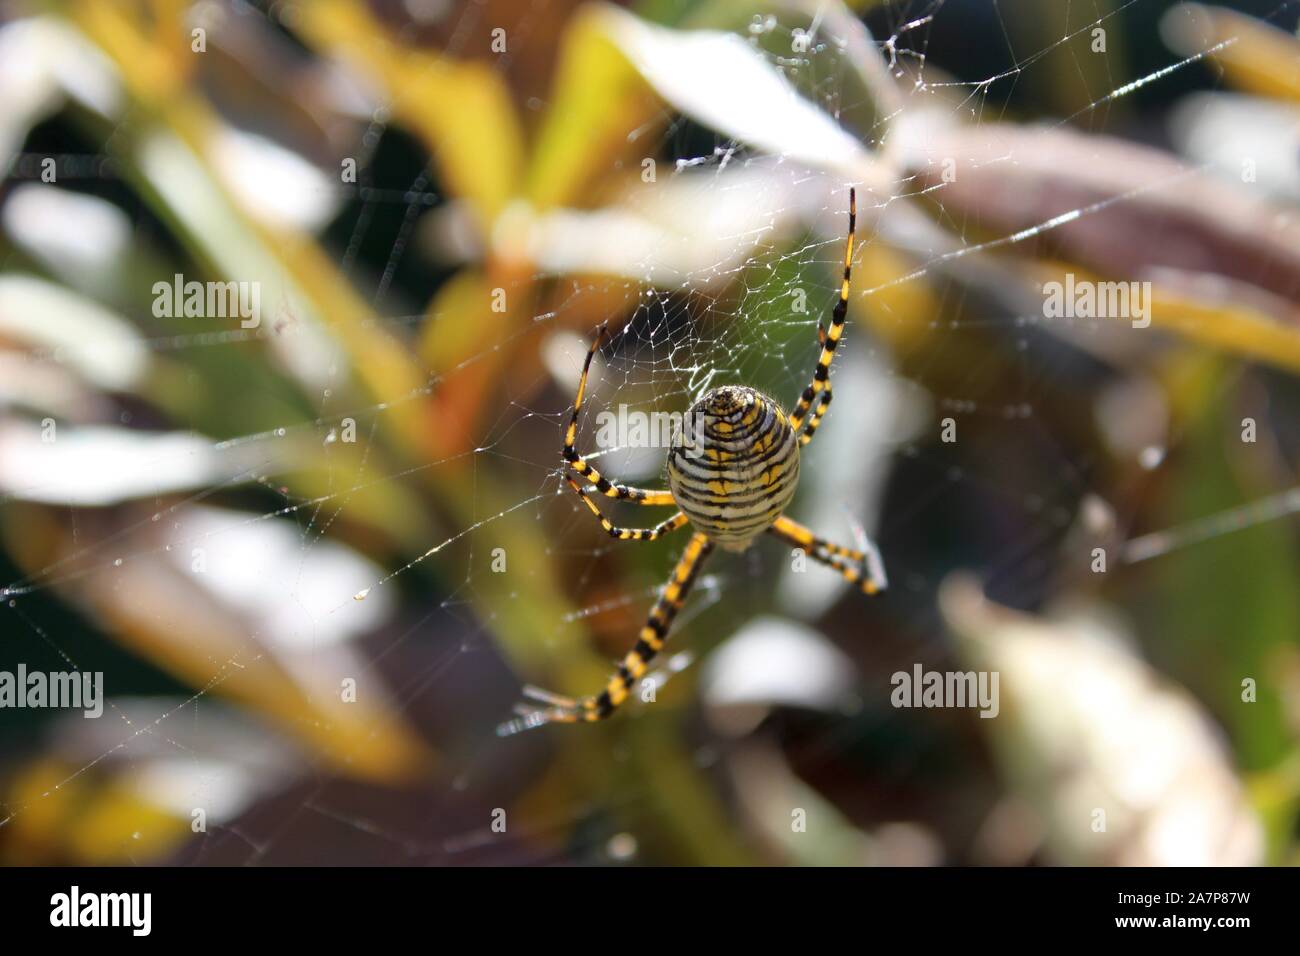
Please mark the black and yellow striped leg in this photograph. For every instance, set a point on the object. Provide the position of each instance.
(822, 403)
(818, 412)
(831, 340)
(628, 534)
(566, 710)
(863, 568)
(597, 481)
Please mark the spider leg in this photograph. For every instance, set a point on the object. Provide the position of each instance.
(863, 568)
(566, 710)
(829, 341)
(610, 489)
(628, 534)
(818, 410)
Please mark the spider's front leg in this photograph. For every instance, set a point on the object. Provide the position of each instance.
(863, 568)
(599, 483)
(817, 395)
(610, 489)
(567, 710)
(822, 402)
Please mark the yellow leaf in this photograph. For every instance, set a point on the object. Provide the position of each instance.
(899, 312)
(600, 108)
(462, 110)
(1224, 323)
(1255, 56)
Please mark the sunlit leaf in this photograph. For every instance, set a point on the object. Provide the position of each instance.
(202, 596)
(722, 82)
(1120, 764)
(99, 345)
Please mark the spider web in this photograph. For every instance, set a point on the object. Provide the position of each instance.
(721, 270)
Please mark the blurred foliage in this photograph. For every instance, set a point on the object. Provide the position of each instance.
(231, 164)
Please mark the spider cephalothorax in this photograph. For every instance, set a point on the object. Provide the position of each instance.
(733, 466)
(732, 471)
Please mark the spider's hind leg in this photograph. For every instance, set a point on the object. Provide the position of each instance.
(567, 710)
(861, 567)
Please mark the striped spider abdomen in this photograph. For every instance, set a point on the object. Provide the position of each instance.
(734, 465)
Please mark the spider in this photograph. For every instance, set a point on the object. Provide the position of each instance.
(731, 478)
